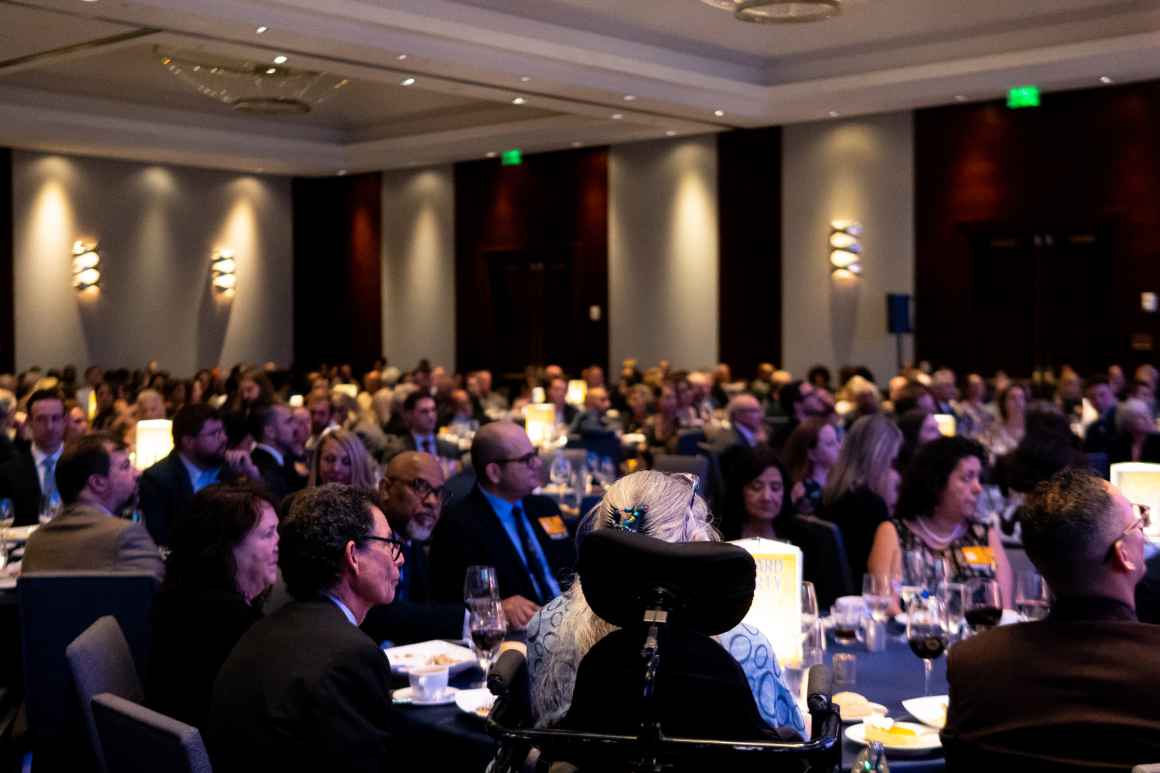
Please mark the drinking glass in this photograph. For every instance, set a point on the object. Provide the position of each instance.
(488, 626)
(984, 604)
(809, 613)
(7, 513)
(876, 592)
(914, 570)
(926, 632)
(953, 595)
(560, 471)
(608, 471)
(480, 586)
(1031, 596)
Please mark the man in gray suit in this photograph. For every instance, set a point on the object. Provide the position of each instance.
(96, 481)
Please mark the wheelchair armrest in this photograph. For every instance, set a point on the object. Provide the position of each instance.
(820, 687)
(507, 671)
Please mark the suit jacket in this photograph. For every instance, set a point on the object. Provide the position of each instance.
(471, 534)
(397, 444)
(7, 448)
(280, 479)
(1120, 448)
(303, 690)
(85, 538)
(1100, 433)
(20, 482)
(166, 493)
(1063, 694)
(414, 615)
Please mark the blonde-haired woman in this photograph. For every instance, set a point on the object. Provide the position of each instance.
(862, 486)
(341, 458)
(663, 507)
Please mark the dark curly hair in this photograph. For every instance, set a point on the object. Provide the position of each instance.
(748, 465)
(314, 534)
(202, 543)
(926, 477)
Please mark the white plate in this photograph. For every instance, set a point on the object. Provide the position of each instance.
(473, 701)
(406, 697)
(20, 533)
(876, 710)
(931, 710)
(927, 736)
(421, 654)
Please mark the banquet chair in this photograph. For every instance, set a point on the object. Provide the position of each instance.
(689, 442)
(823, 557)
(139, 740)
(659, 693)
(100, 662)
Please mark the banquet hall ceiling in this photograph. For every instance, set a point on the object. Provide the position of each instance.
(85, 77)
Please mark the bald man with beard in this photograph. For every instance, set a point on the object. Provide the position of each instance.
(412, 494)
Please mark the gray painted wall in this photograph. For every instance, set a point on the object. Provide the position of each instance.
(157, 227)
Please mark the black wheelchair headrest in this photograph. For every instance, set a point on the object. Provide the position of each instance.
(710, 583)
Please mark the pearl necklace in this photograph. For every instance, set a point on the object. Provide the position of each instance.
(935, 537)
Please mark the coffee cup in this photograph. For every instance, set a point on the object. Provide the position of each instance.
(428, 683)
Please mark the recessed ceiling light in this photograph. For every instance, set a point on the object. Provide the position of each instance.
(341, 172)
(629, 98)
(834, 114)
(271, 70)
(519, 101)
(401, 57)
(492, 154)
(90, 1)
(408, 82)
(261, 29)
(1105, 79)
(617, 116)
(577, 144)
(719, 113)
(525, 79)
(960, 98)
(279, 59)
(670, 133)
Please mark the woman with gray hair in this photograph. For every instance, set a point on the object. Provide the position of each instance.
(1136, 439)
(664, 507)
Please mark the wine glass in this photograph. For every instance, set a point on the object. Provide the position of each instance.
(1031, 596)
(608, 471)
(984, 605)
(480, 586)
(488, 626)
(809, 613)
(876, 593)
(560, 471)
(926, 632)
(953, 595)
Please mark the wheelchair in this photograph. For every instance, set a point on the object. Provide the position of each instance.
(659, 694)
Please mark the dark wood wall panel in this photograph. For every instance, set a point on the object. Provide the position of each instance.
(749, 225)
(337, 273)
(7, 272)
(531, 259)
(1074, 185)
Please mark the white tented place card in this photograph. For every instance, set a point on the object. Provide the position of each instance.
(777, 605)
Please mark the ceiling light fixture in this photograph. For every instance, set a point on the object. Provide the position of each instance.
(778, 11)
(719, 113)
(835, 114)
(617, 116)
(577, 144)
(1105, 79)
(629, 98)
(492, 154)
(670, 133)
(525, 79)
(261, 30)
(271, 70)
(280, 59)
(401, 57)
(519, 101)
(341, 173)
(960, 98)
(408, 82)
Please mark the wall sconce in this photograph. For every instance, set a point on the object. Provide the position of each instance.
(845, 249)
(224, 268)
(86, 266)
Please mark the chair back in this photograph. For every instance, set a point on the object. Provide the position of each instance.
(693, 464)
(824, 558)
(689, 442)
(100, 662)
(55, 607)
(603, 444)
(139, 740)
(458, 486)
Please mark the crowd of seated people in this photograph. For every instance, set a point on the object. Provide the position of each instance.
(428, 472)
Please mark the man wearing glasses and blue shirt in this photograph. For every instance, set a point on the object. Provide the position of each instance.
(501, 524)
(1079, 689)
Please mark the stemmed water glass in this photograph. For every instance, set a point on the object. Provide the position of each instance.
(926, 632)
(560, 471)
(488, 626)
(809, 615)
(953, 595)
(480, 586)
(984, 604)
(1032, 599)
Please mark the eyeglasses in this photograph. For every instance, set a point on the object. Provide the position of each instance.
(423, 489)
(527, 459)
(396, 545)
(1142, 522)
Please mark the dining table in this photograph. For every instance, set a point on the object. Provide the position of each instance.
(887, 677)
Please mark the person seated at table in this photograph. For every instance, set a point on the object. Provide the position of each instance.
(918, 428)
(809, 453)
(558, 396)
(862, 486)
(640, 401)
(1070, 692)
(594, 419)
(756, 504)
(342, 458)
(936, 516)
(662, 428)
(223, 557)
(1003, 435)
(420, 415)
(1136, 438)
(663, 507)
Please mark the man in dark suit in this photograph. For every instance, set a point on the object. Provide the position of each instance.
(557, 396)
(412, 492)
(274, 431)
(1070, 692)
(421, 415)
(1100, 433)
(198, 459)
(305, 689)
(29, 477)
(96, 481)
(501, 525)
(7, 411)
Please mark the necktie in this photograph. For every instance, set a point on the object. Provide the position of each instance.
(532, 555)
(48, 494)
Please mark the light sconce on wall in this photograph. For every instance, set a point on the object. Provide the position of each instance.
(845, 249)
(224, 268)
(86, 266)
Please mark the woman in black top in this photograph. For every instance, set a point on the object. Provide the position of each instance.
(224, 556)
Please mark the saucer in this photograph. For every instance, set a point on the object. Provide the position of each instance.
(406, 696)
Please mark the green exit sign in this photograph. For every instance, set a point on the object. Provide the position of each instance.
(1023, 96)
(512, 157)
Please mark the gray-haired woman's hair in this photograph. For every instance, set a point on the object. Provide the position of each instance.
(867, 453)
(672, 512)
(1128, 410)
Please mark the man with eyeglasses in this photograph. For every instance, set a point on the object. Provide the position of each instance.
(412, 495)
(305, 689)
(1078, 690)
(199, 458)
(501, 524)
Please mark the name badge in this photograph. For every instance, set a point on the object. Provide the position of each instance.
(978, 556)
(555, 527)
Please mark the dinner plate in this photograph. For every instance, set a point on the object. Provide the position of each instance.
(436, 652)
(927, 739)
(474, 701)
(407, 697)
(931, 710)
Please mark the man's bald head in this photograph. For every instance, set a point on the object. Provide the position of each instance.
(408, 464)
